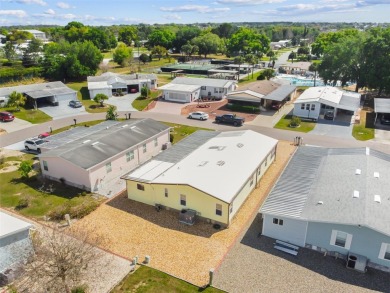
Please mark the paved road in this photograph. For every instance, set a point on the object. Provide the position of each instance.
(311, 139)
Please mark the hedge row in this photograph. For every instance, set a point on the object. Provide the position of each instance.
(18, 73)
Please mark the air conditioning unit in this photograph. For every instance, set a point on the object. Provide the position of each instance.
(166, 145)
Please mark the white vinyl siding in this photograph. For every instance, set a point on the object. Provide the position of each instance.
(384, 252)
(341, 239)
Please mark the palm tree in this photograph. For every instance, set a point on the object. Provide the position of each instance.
(239, 60)
(314, 67)
(251, 59)
(16, 99)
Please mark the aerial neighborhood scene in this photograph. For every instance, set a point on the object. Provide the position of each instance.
(181, 146)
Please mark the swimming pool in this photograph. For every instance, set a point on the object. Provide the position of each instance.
(301, 81)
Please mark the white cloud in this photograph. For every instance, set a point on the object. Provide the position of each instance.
(39, 2)
(15, 13)
(371, 2)
(63, 5)
(249, 2)
(50, 12)
(194, 8)
(172, 16)
(98, 18)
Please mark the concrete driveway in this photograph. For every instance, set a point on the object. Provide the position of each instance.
(340, 127)
(382, 133)
(123, 103)
(15, 125)
(168, 107)
(63, 110)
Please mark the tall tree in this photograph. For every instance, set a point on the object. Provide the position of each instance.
(224, 30)
(161, 37)
(122, 54)
(252, 60)
(208, 43)
(32, 55)
(184, 35)
(159, 51)
(9, 51)
(128, 35)
(247, 41)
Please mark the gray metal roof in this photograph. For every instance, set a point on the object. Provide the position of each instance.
(38, 90)
(125, 77)
(280, 93)
(318, 185)
(382, 105)
(92, 149)
(183, 148)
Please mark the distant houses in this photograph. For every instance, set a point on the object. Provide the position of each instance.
(336, 201)
(188, 89)
(112, 84)
(207, 175)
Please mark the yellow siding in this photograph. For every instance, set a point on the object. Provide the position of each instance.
(196, 200)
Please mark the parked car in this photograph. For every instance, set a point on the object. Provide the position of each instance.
(44, 135)
(385, 119)
(6, 116)
(34, 144)
(75, 104)
(198, 115)
(230, 119)
(276, 105)
(329, 115)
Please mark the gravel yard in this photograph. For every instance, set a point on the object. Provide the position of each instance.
(187, 252)
(269, 270)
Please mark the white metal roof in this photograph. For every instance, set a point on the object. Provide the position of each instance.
(180, 87)
(11, 225)
(98, 85)
(219, 167)
(382, 105)
(214, 82)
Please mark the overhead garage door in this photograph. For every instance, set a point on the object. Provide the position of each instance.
(286, 229)
(179, 97)
(65, 98)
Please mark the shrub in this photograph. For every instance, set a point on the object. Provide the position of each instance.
(295, 121)
(59, 213)
(80, 289)
(145, 91)
(25, 168)
(261, 76)
(83, 210)
(22, 203)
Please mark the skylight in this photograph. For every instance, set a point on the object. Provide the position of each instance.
(358, 172)
(355, 194)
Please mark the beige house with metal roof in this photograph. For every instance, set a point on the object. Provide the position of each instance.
(207, 175)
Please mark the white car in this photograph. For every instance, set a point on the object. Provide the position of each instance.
(198, 115)
(33, 144)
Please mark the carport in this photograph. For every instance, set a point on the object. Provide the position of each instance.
(381, 106)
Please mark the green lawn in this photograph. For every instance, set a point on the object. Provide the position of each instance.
(30, 115)
(245, 81)
(163, 78)
(141, 103)
(148, 280)
(285, 122)
(365, 130)
(180, 131)
(15, 189)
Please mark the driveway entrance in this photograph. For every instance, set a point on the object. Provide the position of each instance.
(62, 110)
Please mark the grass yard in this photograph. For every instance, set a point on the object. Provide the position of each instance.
(141, 103)
(180, 131)
(30, 115)
(285, 122)
(54, 199)
(163, 79)
(245, 81)
(148, 280)
(365, 130)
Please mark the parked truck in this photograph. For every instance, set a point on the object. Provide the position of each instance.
(230, 119)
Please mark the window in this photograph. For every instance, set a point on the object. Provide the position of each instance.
(166, 192)
(307, 106)
(45, 167)
(140, 187)
(129, 156)
(155, 142)
(218, 209)
(313, 107)
(203, 88)
(277, 221)
(183, 200)
(144, 147)
(384, 252)
(341, 239)
(302, 106)
(108, 167)
(259, 171)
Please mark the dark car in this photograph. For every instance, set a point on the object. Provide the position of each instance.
(230, 119)
(75, 104)
(276, 105)
(6, 116)
(385, 119)
(329, 115)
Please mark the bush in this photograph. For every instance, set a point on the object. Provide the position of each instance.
(77, 212)
(295, 121)
(80, 289)
(22, 204)
(145, 91)
(261, 76)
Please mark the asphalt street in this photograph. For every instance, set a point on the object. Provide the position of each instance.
(310, 139)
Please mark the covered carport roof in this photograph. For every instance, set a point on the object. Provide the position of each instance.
(245, 96)
(280, 93)
(382, 105)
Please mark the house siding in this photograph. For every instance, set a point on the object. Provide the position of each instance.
(184, 97)
(210, 89)
(94, 92)
(309, 114)
(365, 241)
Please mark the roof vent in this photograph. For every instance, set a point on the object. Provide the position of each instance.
(203, 163)
(377, 198)
(221, 163)
(358, 172)
(218, 148)
(95, 143)
(86, 141)
(376, 174)
(355, 194)
(320, 202)
(240, 145)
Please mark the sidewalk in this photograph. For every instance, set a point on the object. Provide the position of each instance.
(270, 118)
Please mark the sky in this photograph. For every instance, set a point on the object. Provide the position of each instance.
(109, 12)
